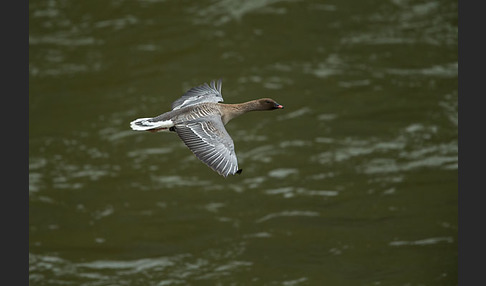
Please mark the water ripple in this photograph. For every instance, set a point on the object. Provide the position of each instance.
(289, 192)
(224, 11)
(426, 241)
(287, 214)
(166, 270)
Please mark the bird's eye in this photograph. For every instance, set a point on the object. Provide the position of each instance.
(268, 101)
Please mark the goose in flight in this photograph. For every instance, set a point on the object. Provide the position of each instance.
(199, 118)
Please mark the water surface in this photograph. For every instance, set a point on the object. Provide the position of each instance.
(353, 183)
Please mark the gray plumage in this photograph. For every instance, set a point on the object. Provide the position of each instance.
(208, 139)
(199, 94)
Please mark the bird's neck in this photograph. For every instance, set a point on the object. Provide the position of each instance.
(234, 110)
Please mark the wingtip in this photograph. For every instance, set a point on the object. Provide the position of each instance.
(216, 84)
(238, 172)
(219, 83)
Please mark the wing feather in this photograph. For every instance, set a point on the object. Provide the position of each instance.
(199, 94)
(210, 142)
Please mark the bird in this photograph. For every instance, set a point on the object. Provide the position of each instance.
(198, 118)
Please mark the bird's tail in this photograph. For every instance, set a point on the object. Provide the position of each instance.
(147, 124)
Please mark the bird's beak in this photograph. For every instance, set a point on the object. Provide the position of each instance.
(278, 106)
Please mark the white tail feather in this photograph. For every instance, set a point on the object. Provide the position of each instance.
(143, 124)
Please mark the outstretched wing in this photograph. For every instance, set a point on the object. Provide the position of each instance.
(198, 94)
(210, 142)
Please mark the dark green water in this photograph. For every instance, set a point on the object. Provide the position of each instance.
(353, 183)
